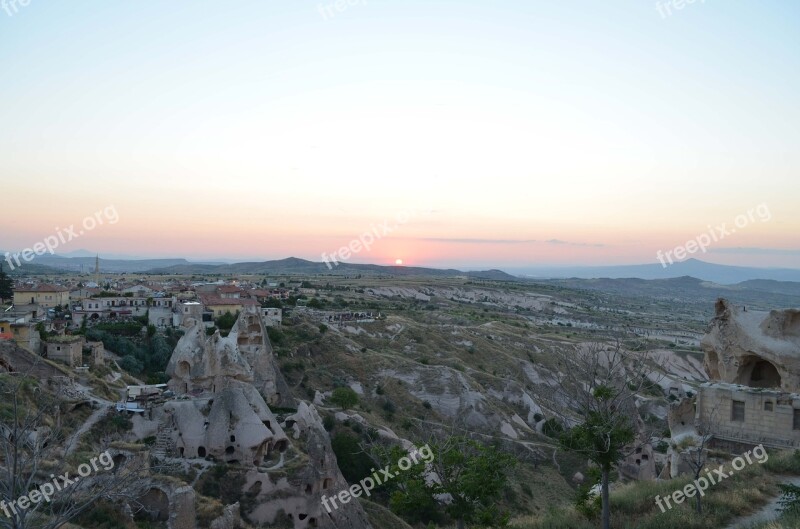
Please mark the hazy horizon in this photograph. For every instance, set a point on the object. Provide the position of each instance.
(522, 269)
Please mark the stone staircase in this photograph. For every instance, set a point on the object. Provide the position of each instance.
(164, 445)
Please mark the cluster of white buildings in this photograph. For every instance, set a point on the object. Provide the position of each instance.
(58, 308)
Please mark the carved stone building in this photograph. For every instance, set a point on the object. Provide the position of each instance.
(225, 387)
(753, 361)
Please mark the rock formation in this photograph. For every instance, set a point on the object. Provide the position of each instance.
(235, 425)
(202, 364)
(226, 386)
(754, 348)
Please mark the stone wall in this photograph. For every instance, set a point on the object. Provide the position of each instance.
(64, 350)
(772, 428)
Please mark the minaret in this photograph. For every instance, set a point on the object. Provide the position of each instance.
(97, 269)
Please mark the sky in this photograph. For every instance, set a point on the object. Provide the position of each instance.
(502, 133)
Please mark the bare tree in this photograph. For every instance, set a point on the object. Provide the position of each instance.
(693, 450)
(593, 391)
(38, 488)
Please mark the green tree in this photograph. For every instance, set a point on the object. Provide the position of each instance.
(131, 364)
(6, 285)
(314, 303)
(410, 495)
(226, 321)
(472, 474)
(272, 303)
(43, 334)
(597, 386)
(354, 463)
(345, 398)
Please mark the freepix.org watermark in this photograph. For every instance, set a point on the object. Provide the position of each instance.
(712, 477)
(367, 239)
(12, 6)
(665, 8)
(48, 489)
(365, 486)
(51, 242)
(328, 11)
(715, 234)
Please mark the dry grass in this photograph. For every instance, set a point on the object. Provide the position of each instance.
(633, 505)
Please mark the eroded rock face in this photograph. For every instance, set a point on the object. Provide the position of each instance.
(228, 384)
(754, 348)
(236, 425)
(203, 363)
(300, 495)
(168, 502)
(208, 364)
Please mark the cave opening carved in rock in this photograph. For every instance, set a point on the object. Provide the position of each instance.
(759, 373)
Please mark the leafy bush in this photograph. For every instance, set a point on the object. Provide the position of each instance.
(345, 398)
(353, 462)
(328, 422)
(122, 329)
(276, 336)
(131, 365)
(226, 321)
(790, 498)
(102, 515)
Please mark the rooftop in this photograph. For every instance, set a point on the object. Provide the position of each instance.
(64, 339)
(42, 287)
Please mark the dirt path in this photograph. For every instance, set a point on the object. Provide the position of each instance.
(72, 443)
(766, 513)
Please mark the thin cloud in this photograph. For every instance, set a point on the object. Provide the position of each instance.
(755, 251)
(559, 241)
(480, 241)
(506, 241)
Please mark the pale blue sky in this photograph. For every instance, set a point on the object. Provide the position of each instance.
(600, 123)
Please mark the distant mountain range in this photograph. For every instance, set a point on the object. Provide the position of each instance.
(722, 274)
(293, 265)
(719, 274)
(80, 262)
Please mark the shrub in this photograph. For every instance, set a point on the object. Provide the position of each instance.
(226, 321)
(345, 398)
(131, 365)
(276, 336)
(353, 462)
(329, 422)
(784, 462)
(552, 428)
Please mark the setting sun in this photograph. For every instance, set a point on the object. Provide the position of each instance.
(398, 261)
